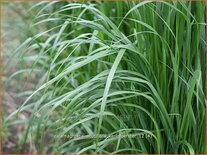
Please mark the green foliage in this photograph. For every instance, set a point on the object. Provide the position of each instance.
(102, 61)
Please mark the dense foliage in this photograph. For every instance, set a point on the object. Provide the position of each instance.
(131, 72)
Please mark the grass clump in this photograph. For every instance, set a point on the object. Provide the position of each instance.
(131, 72)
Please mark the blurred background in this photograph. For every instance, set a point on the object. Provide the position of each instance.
(16, 27)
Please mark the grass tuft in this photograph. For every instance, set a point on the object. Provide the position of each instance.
(131, 72)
